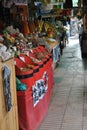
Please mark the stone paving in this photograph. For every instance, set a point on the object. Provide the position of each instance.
(68, 105)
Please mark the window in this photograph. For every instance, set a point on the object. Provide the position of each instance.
(75, 3)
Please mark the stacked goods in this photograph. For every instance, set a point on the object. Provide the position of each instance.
(18, 43)
(33, 67)
(24, 73)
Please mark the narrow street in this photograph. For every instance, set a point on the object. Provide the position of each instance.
(68, 105)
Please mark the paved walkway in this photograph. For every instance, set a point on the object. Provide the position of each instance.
(68, 106)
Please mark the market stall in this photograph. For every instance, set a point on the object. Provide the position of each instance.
(34, 46)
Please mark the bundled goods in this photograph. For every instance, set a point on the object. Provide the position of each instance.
(25, 27)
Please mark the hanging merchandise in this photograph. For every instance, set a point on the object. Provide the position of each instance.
(17, 2)
(56, 53)
(6, 84)
(85, 19)
(25, 28)
(73, 26)
(46, 1)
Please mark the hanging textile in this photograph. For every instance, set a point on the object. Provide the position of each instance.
(6, 86)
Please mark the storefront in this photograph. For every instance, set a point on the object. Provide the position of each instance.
(31, 44)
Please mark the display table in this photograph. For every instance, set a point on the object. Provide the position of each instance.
(33, 103)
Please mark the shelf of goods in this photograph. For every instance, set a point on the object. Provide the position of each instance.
(8, 102)
(33, 103)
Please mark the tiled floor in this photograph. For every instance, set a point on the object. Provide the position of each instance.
(68, 106)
